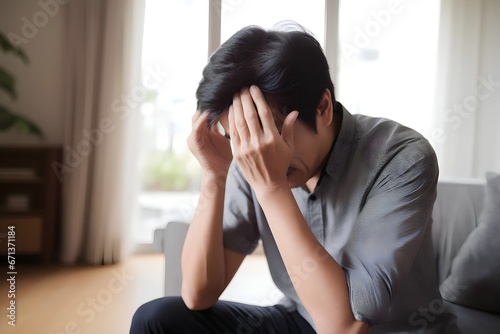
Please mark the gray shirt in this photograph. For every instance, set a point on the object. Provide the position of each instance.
(371, 211)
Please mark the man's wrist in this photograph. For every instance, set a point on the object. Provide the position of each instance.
(269, 192)
(214, 180)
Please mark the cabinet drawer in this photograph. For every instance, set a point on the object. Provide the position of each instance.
(28, 235)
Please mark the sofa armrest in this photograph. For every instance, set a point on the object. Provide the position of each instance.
(170, 241)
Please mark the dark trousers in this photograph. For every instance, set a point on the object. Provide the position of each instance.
(170, 315)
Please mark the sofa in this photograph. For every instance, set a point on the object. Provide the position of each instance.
(456, 215)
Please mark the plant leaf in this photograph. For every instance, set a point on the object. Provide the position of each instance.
(20, 123)
(7, 83)
(7, 47)
(7, 120)
(27, 127)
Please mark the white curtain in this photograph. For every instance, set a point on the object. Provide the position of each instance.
(467, 96)
(103, 43)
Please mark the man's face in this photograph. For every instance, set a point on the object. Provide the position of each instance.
(308, 156)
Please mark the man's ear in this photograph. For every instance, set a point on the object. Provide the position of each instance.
(324, 110)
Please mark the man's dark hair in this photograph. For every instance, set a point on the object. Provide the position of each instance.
(289, 67)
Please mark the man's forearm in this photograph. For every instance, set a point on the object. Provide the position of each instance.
(203, 267)
(323, 290)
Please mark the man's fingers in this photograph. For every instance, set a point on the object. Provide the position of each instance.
(195, 117)
(240, 124)
(233, 132)
(251, 115)
(288, 126)
(265, 113)
(196, 138)
(200, 119)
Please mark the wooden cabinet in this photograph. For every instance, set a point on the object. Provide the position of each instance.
(29, 199)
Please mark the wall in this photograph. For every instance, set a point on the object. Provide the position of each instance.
(488, 138)
(39, 84)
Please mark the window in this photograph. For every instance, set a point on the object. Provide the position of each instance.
(385, 68)
(175, 44)
(387, 59)
(237, 14)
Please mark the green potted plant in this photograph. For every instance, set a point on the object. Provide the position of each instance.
(9, 119)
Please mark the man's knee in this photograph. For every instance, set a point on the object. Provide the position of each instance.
(158, 315)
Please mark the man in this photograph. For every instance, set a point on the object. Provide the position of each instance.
(342, 203)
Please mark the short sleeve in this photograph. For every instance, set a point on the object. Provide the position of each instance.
(389, 230)
(240, 230)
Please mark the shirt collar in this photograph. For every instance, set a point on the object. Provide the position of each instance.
(342, 146)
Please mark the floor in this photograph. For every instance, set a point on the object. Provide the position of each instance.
(69, 300)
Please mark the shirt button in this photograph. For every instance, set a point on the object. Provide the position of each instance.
(312, 197)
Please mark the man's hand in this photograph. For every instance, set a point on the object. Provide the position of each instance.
(262, 153)
(211, 149)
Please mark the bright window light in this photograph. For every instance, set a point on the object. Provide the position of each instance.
(387, 59)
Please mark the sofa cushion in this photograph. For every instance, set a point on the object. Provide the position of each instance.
(475, 274)
(471, 321)
(456, 212)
